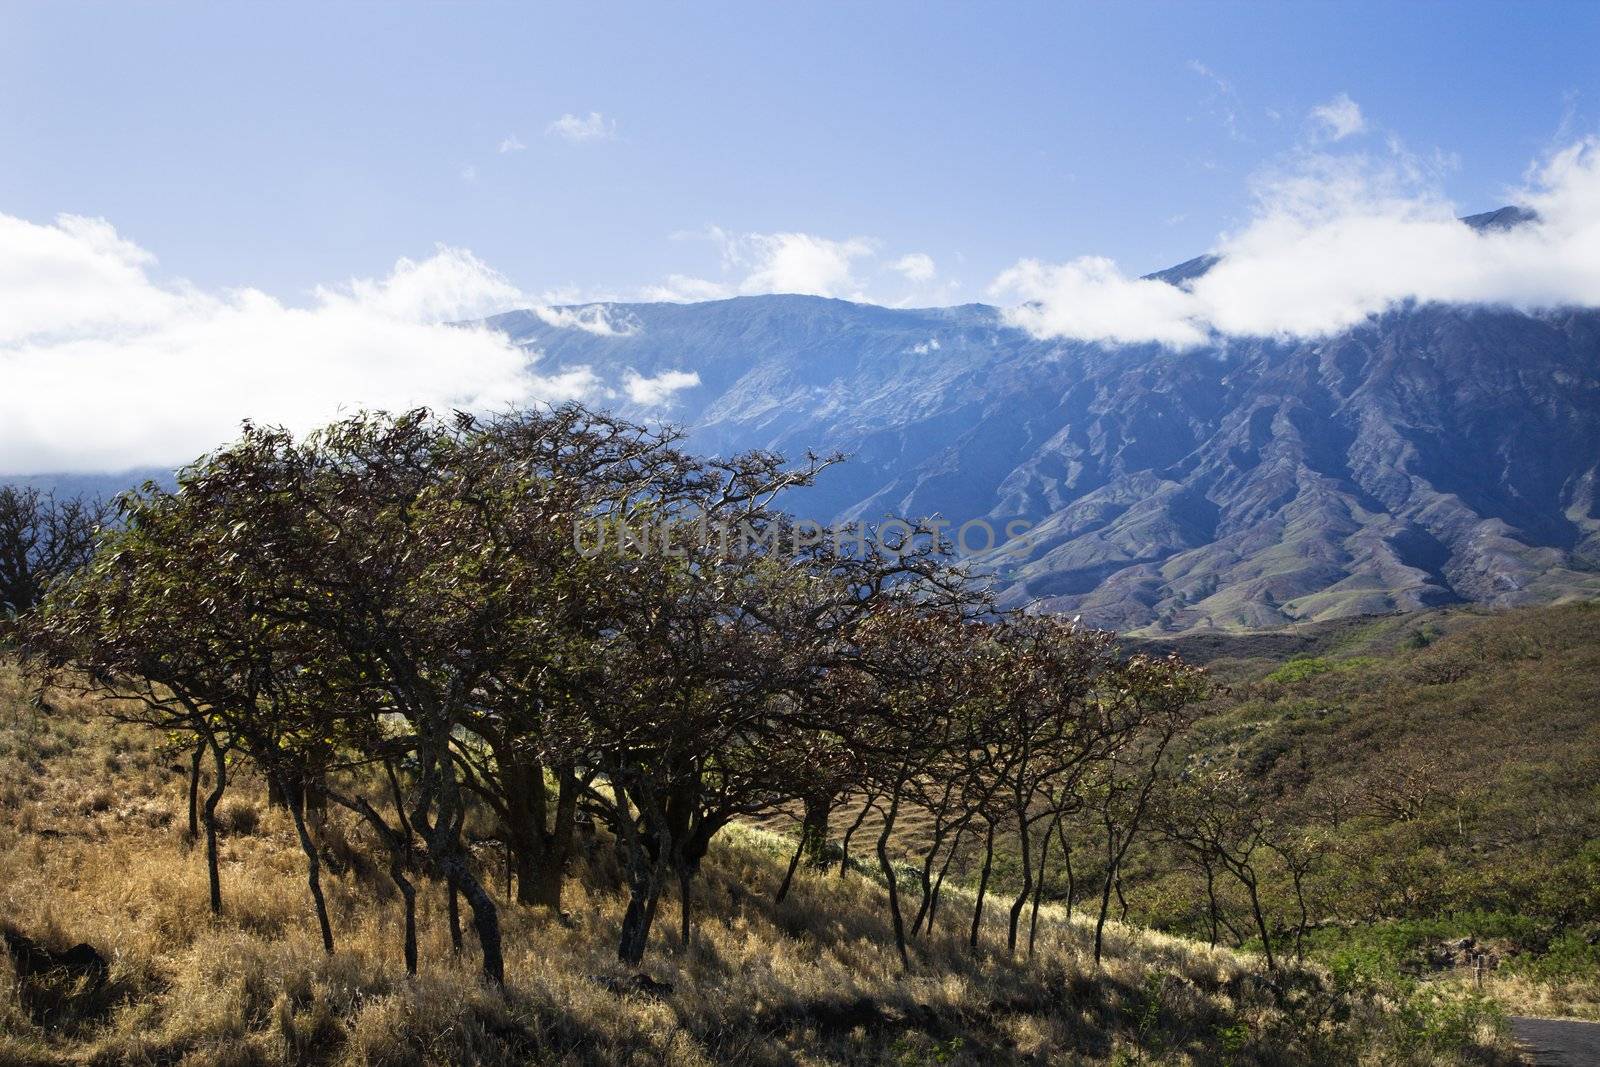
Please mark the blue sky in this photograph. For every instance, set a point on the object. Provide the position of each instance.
(286, 146)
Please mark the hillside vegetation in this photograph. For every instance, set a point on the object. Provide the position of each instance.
(512, 690)
(92, 848)
(1440, 776)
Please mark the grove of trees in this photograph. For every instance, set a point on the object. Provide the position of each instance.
(552, 617)
(41, 539)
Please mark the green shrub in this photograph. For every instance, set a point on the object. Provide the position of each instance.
(1298, 670)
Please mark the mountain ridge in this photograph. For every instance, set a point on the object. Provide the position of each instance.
(1433, 454)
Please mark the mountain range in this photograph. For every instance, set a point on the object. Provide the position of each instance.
(1432, 454)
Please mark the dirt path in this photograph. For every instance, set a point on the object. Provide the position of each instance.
(1558, 1042)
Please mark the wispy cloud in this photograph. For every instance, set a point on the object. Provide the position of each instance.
(591, 127)
(1333, 241)
(916, 266)
(511, 143)
(1340, 117)
(686, 289)
(1223, 102)
(658, 390)
(591, 318)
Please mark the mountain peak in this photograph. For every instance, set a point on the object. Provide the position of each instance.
(1505, 218)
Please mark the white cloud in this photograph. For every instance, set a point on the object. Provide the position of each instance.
(593, 318)
(105, 367)
(511, 143)
(591, 127)
(1331, 244)
(774, 263)
(916, 266)
(800, 263)
(658, 390)
(450, 285)
(1090, 300)
(924, 347)
(469, 173)
(1340, 117)
(793, 262)
(684, 289)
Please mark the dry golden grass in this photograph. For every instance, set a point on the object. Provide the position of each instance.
(1521, 995)
(92, 849)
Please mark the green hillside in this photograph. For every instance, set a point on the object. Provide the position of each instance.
(1441, 772)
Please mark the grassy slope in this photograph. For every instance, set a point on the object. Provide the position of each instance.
(91, 849)
(1500, 715)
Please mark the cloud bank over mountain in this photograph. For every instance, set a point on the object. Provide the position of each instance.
(1332, 243)
(763, 263)
(105, 367)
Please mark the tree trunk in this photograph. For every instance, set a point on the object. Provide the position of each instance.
(814, 829)
(1261, 922)
(788, 875)
(194, 789)
(640, 916)
(443, 839)
(1305, 919)
(541, 852)
(400, 861)
(844, 846)
(685, 904)
(219, 785)
(645, 873)
(895, 918)
(453, 910)
(1116, 849)
(1038, 887)
(925, 880)
(933, 902)
(636, 929)
(938, 883)
(485, 922)
(1025, 844)
(524, 788)
(439, 793)
(983, 888)
(1211, 899)
(1105, 911)
(1066, 865)
(408, 896)
(313, 873)
(539, 879)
